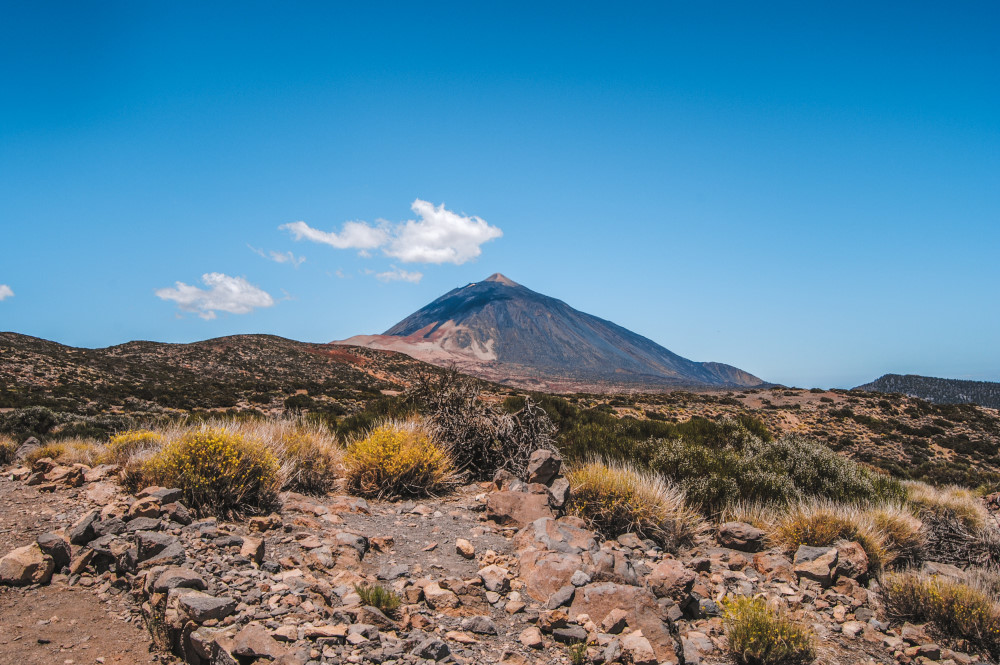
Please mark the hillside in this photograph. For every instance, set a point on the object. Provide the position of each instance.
(505, 332)
(243, 371)
(938, 391)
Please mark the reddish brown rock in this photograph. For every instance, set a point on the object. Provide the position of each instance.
(643, 613)
(852, 561)
(517, 508)
(26, 565)
(671, 578)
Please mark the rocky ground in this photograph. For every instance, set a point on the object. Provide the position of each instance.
(489, 574)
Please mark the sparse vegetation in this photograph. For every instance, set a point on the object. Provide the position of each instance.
(219, 471)
(7, 450)
(758, 634)
(385, 600)
(309, 455)
(956, 608)
(615, 498)
(959, 500)
(398, 459)
(122, 447)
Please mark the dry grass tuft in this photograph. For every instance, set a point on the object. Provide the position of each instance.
(759, 634)
(7, 450)
(398, 459)
(616, 498)
(824, 523)
(955, 607)
(310, 456)
(961, 501)
(902, 531)
(122, 447)
(755, 513)
(68, 451)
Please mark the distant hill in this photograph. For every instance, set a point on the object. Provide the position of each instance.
(242, 371)
(505, 332)
(938, 391)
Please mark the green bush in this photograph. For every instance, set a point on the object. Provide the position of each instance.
(780, 471)
(385, 600)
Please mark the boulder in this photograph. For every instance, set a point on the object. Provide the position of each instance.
(201, 606)
(56, 547)
(553, 535)
(558, 493)
(852, 560)
(252, 548)
(26, 565)
(531, 637)
(816, 563)
(773, 566)
(543, 466)
(642, 613)
(151, 543)
(438, 598)
(544, 572)
(30, 445)
(671, 579)
(148, 506)
(82, 531)
(432, 649)
(494, 578)
(254, 641)
(517, 508)
(479, 624)
(741, 536)
(638, 650)
(176, 577)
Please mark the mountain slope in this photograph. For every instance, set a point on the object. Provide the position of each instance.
(938, 391)
(501, 330)
(259, 370)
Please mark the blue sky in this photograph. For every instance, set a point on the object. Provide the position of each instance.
(808, 191)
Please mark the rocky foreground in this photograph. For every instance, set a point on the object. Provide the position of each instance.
(492, 573)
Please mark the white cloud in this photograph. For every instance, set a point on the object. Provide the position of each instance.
(279, 257)
(5, 292)
(438, 236)
(399, 275)
(355, 235)
(224, 294)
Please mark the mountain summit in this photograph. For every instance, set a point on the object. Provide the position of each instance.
(505, 332)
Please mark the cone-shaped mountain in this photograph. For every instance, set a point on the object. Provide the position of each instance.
(502, 330)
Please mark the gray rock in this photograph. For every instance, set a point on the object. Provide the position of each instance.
(543, 466)
(564, 596)
(178, 578)
(201, 606)
(30, 445)
(741, 536)
(389, 573)
(113, 526)
(177, 512)
(172, 555)
(56, 547)
(143, 524)
(479, 624)
(558, 492)
(580, 578)
(357, 541)
(151, 543)
(816, 563)
(432, 649)
(82, 531)
(570, 634)
(167, 495)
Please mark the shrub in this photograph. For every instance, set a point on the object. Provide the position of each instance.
(36, 421)
(7, 450)
(385, 600)
(307, 451)
(398, 460)
(780, 471)
(122, 447)
(483, 438)
(961, 501)
(615, 498)
(823, 523)
(956, 608)
(902, 531)
(220, 472)
(762, 635)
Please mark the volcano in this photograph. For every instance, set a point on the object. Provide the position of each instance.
(501, 331)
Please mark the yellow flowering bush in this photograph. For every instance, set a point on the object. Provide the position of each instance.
(397, 460)
(956, 608)
(762, 635)
(616, 498)
(220, 472)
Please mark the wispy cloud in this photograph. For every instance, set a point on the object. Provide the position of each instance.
(279, 257)
(224, 294)
(437, 236)
(399, 275)
(5, 292)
